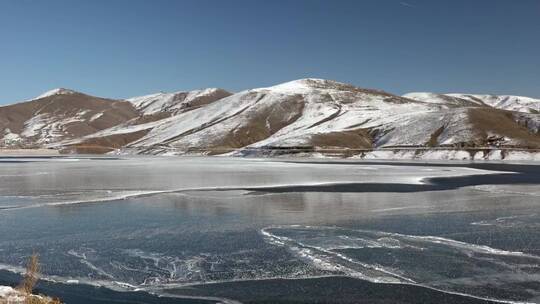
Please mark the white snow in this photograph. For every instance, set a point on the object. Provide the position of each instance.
(58, 91)
(49, 127)
(10, 137)
(6, 290)
(11, 296)
(504, 102)
(426, 97)
(522, 155)
(450, 154)
(34, 124)
(296, 86)
(96, 116)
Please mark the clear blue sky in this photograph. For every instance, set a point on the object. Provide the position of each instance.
(121, 48)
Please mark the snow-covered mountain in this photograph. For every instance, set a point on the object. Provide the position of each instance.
(153, 110)
(57, 115)
(319, 113)
(311, 115)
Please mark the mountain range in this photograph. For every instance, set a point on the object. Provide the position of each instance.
(313, 117)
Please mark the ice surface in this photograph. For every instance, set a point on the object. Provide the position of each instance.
(362, 254)
(162, 222)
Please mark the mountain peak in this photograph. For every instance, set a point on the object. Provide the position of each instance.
(57, 91)
(309, 84)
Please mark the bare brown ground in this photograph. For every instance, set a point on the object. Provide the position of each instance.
(354, 139)
(28, 152)
(104, 144)
(502, 123)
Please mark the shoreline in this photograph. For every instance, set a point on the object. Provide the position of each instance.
(28, 152)
(487, 155)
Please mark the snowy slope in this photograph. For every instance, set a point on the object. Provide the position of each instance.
(442, 99)
(154, 110)
(174, 102)
(503, 102)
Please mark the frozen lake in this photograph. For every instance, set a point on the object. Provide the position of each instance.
(207, 230)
